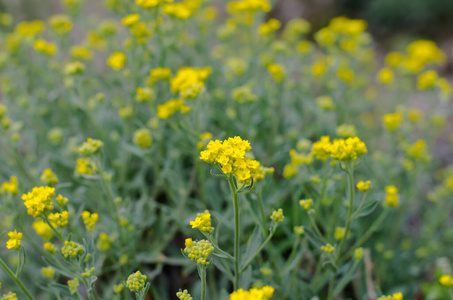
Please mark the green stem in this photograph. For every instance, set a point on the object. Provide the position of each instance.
(351, 201)
(16, 279)
(258, 251)
(237, 272)
(53, 228)
(203, 283)
(218, 248)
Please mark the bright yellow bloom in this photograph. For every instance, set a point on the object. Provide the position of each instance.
(198, 251)
(147, 4)
(358, 253)
(203, 222)
(44, 47)
(328, 248)
(62, 201)
(250, 6)
(446, 280)
(270, 26)
(48, 272)
(318, 69)
(418, 151)
(43, 229)
(142, 138)
(117, 60)
(118, 288)
(81, 52)
(392, 121)
(11, 186)
(59, 219)
(9, 296)
(263, 293)
(15, 240)
(48, 177)
(73, 285)
(159, 74)
(90, 219)
(306, 203)
(183, 295)
(321, 149)
(49, 247)
(72, 249)
(39, 200)
(169, 108)
(299, 230)
(363, 186)
(189, 82)
(277, 215)
(385, 75)
(339, 233)
(60, 23)
(277, 71)
(391, 197)
(135, 282)
(88, 272)
(182, 10)
(348, 150)
(130, 19)
(289, 171)
(393, 59)
(104, 242)
(91, 146)
(427, 79)
(345, 74)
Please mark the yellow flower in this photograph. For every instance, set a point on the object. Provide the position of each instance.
(182, 10)
(15, 240)
(418, 151)
(392, 121)
(277, 215)
(130, 19)
(250, 6)
(299, 230)
(203, 222)
(60, 23)
(169, 108)
(358, 253)
(9, 296)
(142, 138)
(104, 242)
(11, 186)
(136, 282)
(339, 233)
(117, 60)
(446, 280)
(48, 272)
(48, 177)
(348, 150)
(328, 248)
(74, 68)
(62, 201)
(144, 94)
(345, 74)
(159, 74)
(346, 130)
(183, 295)
(393, 59)
(263, 293)
(325, 103)
(318, 69)
(322, 149)
(427, 79)
(43, 229)
(81, 52)
(270, 26)
(72, 249)
(73, 285)
(39, 200)
(189, 81)
(91, 146)
(277, 71)
(363, 186)
(243, 94)
(385, 75)
(198, 251)
(147, 4)
(391, 197)
(85, 166)
(49, 247)
(306, 203)
(59, 219)
(45, 47)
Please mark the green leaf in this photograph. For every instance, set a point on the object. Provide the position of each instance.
(330, 265)
(367, 209)
(252, 246)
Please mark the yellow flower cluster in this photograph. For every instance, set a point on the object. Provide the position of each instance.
(169, 108)
(328, 248)
(144, 94)
(39, 200)
(363, 186)
(43, 229)
(418, 151)
(44, 47)
(117, 60)
(277, 215)
(306, 204)
(325, 103)
(346, 130)
(60, 23)
(59, 219)
(395, 296)
(189, 82)
(91, 146)
(269, 27)
(277, 71)
(198, 251)
(230, 155)
(182, 10)
(49, 247)
(349, 34)
(427, 80)
(339, 233)
(130, 19)
(446, 280)
(295, 28)
(392, 121)
(73, 285)
(81, 52)
(385, 76)
(74, 68)
(89, 219)
(243, 94)
(48, 177)
(159, 74)
(62, 201)
(48, 272)
(248, 6)
(263, 293)
(15, 240)
(391, 197)
(183, 295)
(142, 138)
(9, 296)
(340, 149)
(261, 172)
(135, 282)
(203, 222)
(72, 249)
(147, 4)
(11, 186)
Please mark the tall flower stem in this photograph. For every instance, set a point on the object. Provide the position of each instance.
(203, 282)
(16, 279)
(236, 231)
